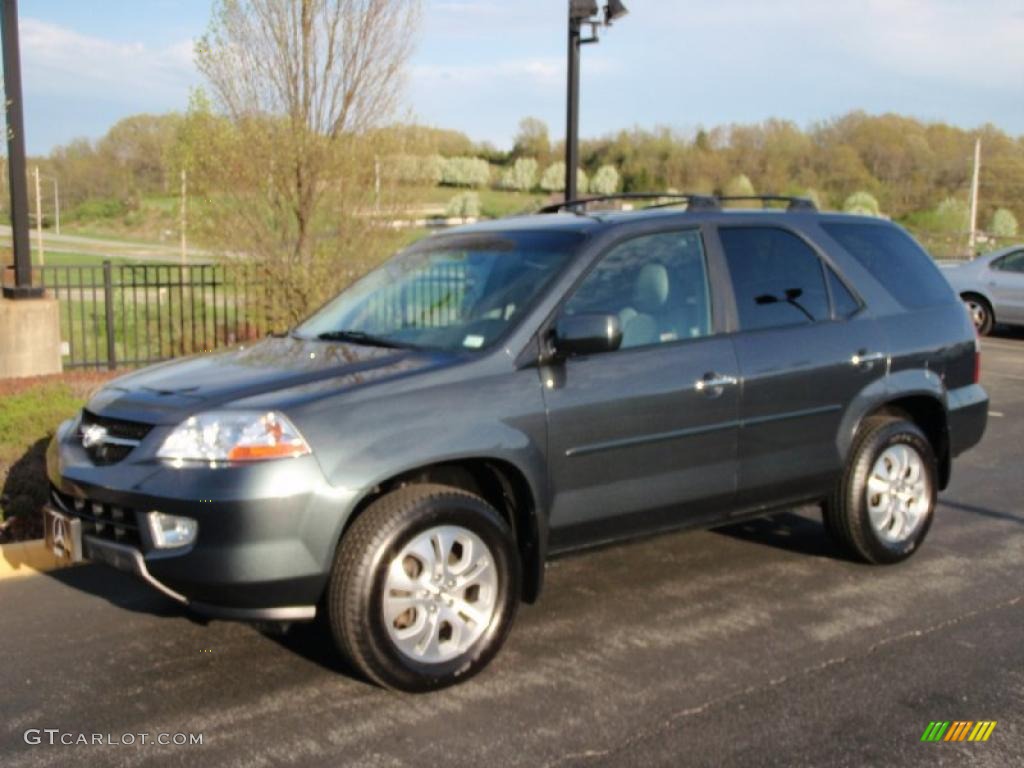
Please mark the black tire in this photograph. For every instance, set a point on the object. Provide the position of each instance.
(846, 511)
(980, 311)
(355, 592)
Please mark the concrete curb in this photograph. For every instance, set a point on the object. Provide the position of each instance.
(26, 558)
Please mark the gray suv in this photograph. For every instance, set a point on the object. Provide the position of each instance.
(405, 461)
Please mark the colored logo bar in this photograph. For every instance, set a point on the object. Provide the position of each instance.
(958, 730)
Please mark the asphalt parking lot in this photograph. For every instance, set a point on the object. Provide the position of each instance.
(753, 645)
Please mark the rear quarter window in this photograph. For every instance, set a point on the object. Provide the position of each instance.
(894, 259)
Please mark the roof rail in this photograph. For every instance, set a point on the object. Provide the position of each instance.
(693, 202)
(795, 203)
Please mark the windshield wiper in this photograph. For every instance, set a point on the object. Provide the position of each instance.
(366, 339)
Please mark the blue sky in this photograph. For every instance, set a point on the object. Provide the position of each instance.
(481, 65)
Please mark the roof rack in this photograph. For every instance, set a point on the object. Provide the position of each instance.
(795, 203)
(693, 202)
(669, 199)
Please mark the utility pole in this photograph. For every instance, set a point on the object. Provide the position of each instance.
(973, 238)
(56, 206)
(184, 216)
(16, 176)
(39, 221)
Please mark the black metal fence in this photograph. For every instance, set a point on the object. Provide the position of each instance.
(134, 314)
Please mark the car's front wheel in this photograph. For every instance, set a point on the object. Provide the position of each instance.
(883, 506)
(424, 588)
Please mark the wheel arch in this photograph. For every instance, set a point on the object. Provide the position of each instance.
(502, 484)
(928, 412)
(965, 293)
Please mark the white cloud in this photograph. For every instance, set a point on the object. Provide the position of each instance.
(545, 72)
(56, 58)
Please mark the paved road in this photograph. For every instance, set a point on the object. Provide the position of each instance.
(755, 645)
(125, 249)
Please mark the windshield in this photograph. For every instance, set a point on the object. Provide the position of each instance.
(456, 292)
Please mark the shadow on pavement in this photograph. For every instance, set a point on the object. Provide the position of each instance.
(120, 589)
(786, 531)
(995, 514)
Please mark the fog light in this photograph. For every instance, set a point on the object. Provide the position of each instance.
(169, 531)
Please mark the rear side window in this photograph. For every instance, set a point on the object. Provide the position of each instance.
(1014, 262)
(778, 280)
(844, 302)
(896, 261)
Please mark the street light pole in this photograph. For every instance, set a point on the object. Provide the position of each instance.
(22, 287)
(572, 130)
(581, 12)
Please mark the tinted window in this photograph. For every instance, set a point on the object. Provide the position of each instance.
(896, 261)
(778, 280)
(843, 301)
(656, 284)
(1013, 262)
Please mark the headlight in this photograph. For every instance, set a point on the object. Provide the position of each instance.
(234, 436)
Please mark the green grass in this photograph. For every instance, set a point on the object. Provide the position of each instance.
(27, 421)
(494, 203)
(75, 259)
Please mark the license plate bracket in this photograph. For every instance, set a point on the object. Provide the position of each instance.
(63, 535)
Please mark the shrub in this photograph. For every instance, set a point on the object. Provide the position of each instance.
(862, 203)
(952, 215)
(466, 172)
(465, 205)
(605, 181)
(739, 186)
(553, 179)
(1004, 223)
(522, 176)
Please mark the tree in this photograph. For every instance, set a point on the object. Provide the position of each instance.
(299, 85)
(952, 215)
(466, 172)
(522, 176)
(532, 139)
(553, 179)
(1004, 223)
(465, 205)
(605, 181)
(863, 203)
(739, 186)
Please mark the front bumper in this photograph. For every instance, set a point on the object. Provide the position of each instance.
(267, 531)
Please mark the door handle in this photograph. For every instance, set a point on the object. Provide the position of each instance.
(867, 357)
(714, 381)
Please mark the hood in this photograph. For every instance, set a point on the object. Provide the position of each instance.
(167, 393)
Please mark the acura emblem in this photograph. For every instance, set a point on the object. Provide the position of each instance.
(93, 435)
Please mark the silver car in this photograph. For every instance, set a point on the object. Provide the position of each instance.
(992, 287)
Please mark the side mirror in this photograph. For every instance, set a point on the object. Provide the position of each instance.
(587, 334)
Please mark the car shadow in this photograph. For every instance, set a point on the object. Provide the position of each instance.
(24, 492)
(310, 640)
(120, 589)
(1009, 332)
(972, 509)
(787, 531)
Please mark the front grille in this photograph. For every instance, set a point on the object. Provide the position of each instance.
(105, 521)
(119, 437)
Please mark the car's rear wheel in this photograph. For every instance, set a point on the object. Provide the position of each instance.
(424, 588)
(882, 508)
(980, 311)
